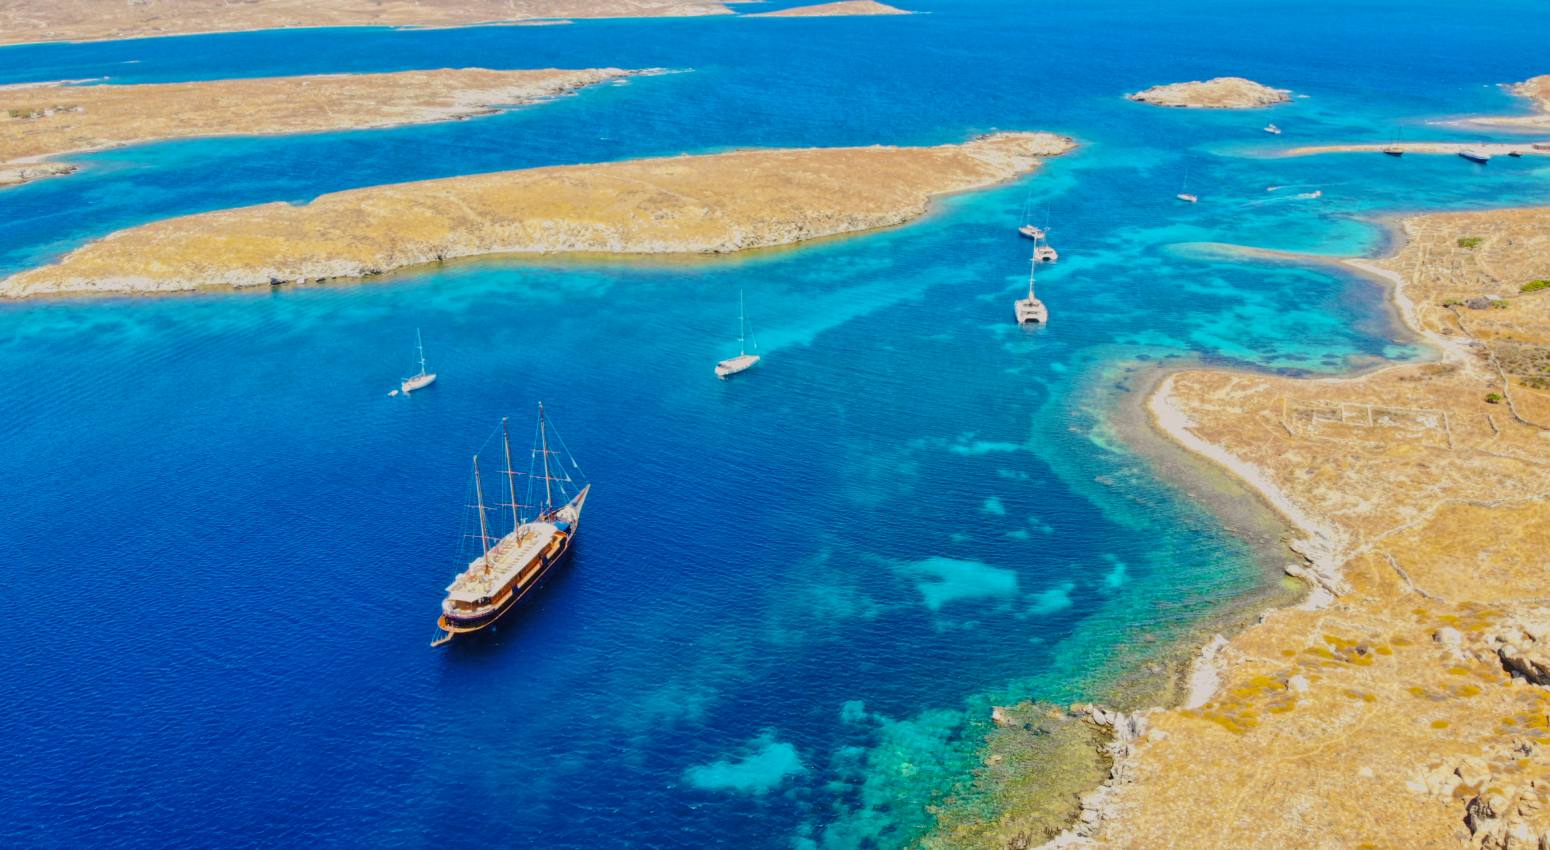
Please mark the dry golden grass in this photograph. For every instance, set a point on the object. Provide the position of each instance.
(1386, 716)
(1217, 93)
(688, 204)
(26, 21)
(49, 120)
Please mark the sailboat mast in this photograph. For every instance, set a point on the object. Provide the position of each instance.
(1033, 263)
(419, 344)
(742, 321)
(543, 438)
(511, 477)
(484, 529)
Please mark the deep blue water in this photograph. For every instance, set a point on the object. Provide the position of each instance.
(224, 546)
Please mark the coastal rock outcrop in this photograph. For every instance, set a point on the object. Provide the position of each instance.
(1217, 93)
(53, 119)
(1523, 645)
(11, 175)
(1536, 90)
(687, 204)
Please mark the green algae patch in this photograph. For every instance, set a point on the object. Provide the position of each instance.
(1038, 761)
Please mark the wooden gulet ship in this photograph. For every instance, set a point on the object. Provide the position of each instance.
(511, 566)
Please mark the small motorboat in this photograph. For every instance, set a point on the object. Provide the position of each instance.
(1187, 198)
(1272, 129)
(1514, 154)
(1475, 155)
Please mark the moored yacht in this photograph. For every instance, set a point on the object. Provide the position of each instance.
(743, 361)
(1475, 155)
(422, 378)
(1030, 310)
(1031, 231)
(511, 565)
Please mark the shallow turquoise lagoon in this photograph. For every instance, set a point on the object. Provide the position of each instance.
(224, 545)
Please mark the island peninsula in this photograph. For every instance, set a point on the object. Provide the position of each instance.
(1217, 93)
(31, 21)
(687, 204)
(1407, 702)
(1537, 91)
(40, 121)
(833, 10)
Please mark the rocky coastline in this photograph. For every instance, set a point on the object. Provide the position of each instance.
(1404, 703)
(1216, 93)
(52, 120)
(38, 21)
(832, 10)
(709, 204)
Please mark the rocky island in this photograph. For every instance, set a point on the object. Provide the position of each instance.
(823, 10)
(686, 204)
(1407, 702)
(39, 121)
(1537, 91)
(31, 21)
(1446, 148)
(1217, 93)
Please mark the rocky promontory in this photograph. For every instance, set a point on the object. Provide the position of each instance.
(1536, 90)
(825, 10)
(32, 21)
(1218, 93)
(39, 121)
(686, 204)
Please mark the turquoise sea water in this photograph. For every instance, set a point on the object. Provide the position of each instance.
(224, 545)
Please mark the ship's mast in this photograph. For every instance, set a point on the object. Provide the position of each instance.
(543, 437)
(1033, 263)
(419, 344)
(484, 530)
(742, 320)
(511, 478)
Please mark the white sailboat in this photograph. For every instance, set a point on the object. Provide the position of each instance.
(1030, 310)
(422, 379)
(1044, 252)
(1184, 195)
(743, 361)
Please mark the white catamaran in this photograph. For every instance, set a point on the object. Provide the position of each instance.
(743, 361)
(1030, 310)
(424, 377)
